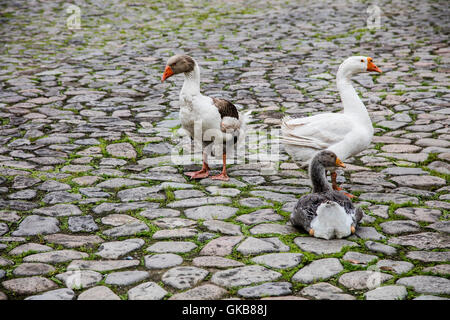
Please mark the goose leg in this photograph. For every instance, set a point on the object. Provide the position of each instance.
(336, 187)
(223, 176)
(204, 172)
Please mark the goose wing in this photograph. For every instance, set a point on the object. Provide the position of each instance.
(318, 132)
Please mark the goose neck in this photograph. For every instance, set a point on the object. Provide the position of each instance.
(349, 97)
(318, 177)
(191, 84)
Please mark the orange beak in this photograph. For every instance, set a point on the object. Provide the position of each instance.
(371, 66)
(339, 163)
(167, 73)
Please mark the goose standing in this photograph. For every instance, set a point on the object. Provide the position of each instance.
(325, 213)
(217, 118)
(346, 134)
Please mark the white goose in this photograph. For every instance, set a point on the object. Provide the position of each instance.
(346, 134)
(216, 118)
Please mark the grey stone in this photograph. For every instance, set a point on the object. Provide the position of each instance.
(102, 265)
(279, 260)
(118, 219)
(73, 241)
(426, 284)
(243, 276)
(140, 194)
(359, 280)
(318, 270)
(387, 293)
(34, 225)
(210, 212)
(56, 256)
(223, 227)
(424, 240)
(115, 249)
(98, 293)
(33, 269)
(3, 228)
(27, 194)
(398, 267)
(274, 196)
(266, 289)
(29, 247)
(427, 256)
(94, 192)
(258, 216)
(59, 210)
(60, 197)
(253, 202)
(58, 294)
(321, 246)
(82, 224)
(162, 261)
(29, 285)
(147, 291)
(184, 277)
(118, 183)
(203, 213)
(261, 245)
(158, 213)
(122, 207)
(358, 258)
(368, 233)
(128, 229)
(428, 297)
(419, 214)
(175, 233)
(172, 247)
(171, 223)
(203, 292)
(388, 197)
(419, 181)
(78, 279)
(23, 182)
(400, 226)
(379, 247)
(442, 269)
(215, 262)
(325, 291)
(442, 226)
(125, 278)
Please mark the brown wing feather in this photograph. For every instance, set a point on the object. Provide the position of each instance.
(226, 108)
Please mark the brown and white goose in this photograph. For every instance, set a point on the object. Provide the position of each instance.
(218, 119)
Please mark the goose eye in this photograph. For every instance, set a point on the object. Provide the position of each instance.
(362, 60)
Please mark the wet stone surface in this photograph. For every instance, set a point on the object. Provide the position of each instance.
(93, 205)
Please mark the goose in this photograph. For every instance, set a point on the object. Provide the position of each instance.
(346, 134)
(218, 119)
(325, 213)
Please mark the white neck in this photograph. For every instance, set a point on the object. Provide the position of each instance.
(191, 85)
(350, 99)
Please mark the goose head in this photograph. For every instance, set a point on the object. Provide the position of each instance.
(328, 160)
(358, 64)
(176, 64)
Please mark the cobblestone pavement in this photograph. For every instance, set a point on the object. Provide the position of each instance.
(92, 208)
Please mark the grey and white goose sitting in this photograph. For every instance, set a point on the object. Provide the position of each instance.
(325, 213)
(217, 118)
